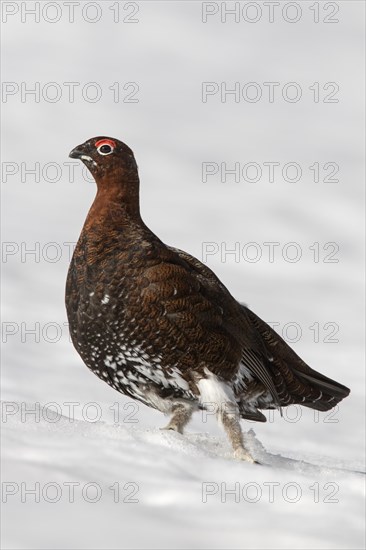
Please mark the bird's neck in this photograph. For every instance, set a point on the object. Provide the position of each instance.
(116, 203)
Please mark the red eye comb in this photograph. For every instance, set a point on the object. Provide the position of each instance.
(106, 142)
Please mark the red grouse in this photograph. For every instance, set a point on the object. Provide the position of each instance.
(157, 325)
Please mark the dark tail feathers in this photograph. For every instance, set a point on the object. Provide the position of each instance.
(295, 381)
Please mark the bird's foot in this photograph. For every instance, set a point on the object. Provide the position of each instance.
(242, 454)
(174, 427)
(181, 415)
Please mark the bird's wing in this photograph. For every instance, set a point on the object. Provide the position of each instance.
(254, 355)
(192, 313)
(201, 270)
(269, 358)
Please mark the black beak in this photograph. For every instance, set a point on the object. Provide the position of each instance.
(76, 153)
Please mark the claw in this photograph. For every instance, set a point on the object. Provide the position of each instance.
(242, 454)
(172, 427)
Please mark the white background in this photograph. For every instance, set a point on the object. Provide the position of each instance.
(169, 52)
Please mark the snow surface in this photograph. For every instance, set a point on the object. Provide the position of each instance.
(307, 492)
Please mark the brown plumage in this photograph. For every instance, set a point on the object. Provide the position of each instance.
(159, 326)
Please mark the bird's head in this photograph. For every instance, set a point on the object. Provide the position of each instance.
(106, 158)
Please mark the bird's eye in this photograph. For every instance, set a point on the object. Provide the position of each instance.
(105, 146)
(105, 149)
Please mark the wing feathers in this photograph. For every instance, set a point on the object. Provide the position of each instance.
(260, 371)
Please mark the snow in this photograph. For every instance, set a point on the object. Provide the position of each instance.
(69, 432)
(189, 491)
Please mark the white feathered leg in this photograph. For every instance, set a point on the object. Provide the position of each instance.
(215, 392)
(181, 416)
